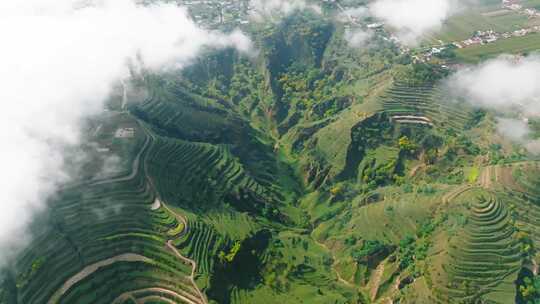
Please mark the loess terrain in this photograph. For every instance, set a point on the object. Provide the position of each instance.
(310, 173)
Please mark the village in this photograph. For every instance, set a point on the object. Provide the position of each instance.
(213, 14)
(489, 36)
(230, 14)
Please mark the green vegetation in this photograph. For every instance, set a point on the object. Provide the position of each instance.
(514, 45)
(473, 175)
(530, 290)
(229, 257)
(491, 17)
(311, 173)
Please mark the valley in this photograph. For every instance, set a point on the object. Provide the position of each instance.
(308, 172)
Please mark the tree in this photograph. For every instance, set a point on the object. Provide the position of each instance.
(229, 257)
(368, 249)
(405, 144)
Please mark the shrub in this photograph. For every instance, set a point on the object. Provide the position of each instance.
(368, 248)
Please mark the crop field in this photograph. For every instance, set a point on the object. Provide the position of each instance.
(313, 173)
(514, 45)
(523, 179)
(109, 247)
(199, 175)
(463, 26)
(482, 257)
(413, 102)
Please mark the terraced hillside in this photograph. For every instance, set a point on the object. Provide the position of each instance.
(109, 246)
(425, 105)
(483, 255)
(311, 172)
(521, 181)
(199, 176)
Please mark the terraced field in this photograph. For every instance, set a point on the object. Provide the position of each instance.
(522, 181)
(296, 180)
(424, 105)
(483, 255)
(199, 175)
(110, 246)
(201, 243)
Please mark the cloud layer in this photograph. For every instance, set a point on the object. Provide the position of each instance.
(357, 37)
(504, 84)
(59, 59)
(413, 18)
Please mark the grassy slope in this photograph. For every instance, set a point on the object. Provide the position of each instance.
(219, 160)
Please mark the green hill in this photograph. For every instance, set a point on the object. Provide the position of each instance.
(310, 172)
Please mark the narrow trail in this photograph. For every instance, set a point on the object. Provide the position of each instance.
(96, 131)
(395, 289)
(184, 296)
(134, 167)
(180, 218)
(90, 269)
(415, 169)
(455, 193)
(133, 257)
(377, 276)
(342, 9)
(342, 280)
(156, 205)
(152, 299)
(486, 177)
(124, 95)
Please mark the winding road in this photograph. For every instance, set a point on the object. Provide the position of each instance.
(134, 167)
(180, 218)
(90, 269)
(342, 280)
(133, 257)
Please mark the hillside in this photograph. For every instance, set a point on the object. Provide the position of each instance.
(310, 172)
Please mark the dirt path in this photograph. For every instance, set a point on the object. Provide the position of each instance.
(455, 193)
(395, 289)
(158, 298)
(156, 205)
(193, 270)
(184, 259)
(187, 298)
(342, 280)
(486, 177)
(377, 276)
(343, 11)
(132, 257)
(90, 269)
(415, 169)
(180, 218)
(124, 95)
(96, 131)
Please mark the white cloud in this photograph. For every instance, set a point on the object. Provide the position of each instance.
(413, 18)
(58, 61)
(517, 130)
(274, 10)
(357, 38)
(504, 84)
